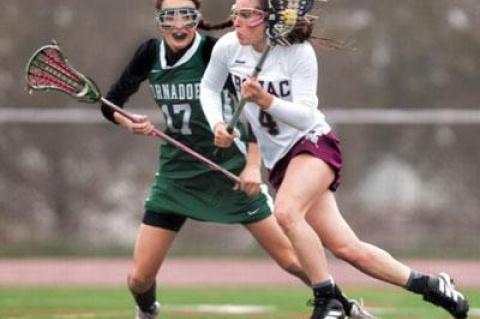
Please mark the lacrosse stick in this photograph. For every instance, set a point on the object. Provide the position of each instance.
(281, 20)
(48, 69)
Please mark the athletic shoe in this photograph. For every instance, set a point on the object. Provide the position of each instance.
(152, 314)
(357, 310)
(441, 292)
(327, 309)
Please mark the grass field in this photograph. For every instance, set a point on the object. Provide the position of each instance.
(212, 303)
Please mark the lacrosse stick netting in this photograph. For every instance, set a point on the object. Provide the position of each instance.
(48, 69)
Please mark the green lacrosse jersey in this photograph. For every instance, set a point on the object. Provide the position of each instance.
(176, 90)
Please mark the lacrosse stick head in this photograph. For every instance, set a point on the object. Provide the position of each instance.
(49, 70)
(283, 16)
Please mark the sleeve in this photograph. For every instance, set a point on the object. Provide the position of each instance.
(212, 85)
(133, 75)
(304, 78)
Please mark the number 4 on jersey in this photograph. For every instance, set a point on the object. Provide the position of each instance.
(267, 121)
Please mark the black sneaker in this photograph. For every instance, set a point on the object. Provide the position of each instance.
(441, 292)
(327, 309)
(153, 314)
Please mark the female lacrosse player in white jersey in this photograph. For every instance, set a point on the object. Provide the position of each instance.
(184, 188)
(303, 157)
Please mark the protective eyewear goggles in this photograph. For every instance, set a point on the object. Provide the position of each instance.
(253, 17)
(170, 18)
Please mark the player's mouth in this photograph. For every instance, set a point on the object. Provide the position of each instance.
(179, 36)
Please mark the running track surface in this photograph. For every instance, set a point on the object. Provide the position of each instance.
(196, 272)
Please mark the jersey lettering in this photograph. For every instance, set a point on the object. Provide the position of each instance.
(176, 91)
(279, 89)
(284, 88)
(181, 113)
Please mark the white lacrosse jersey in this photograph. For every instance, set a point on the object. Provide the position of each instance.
(290, 74)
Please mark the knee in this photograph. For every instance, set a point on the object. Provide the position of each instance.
(286, 217)
(351, 252)
(138, 283)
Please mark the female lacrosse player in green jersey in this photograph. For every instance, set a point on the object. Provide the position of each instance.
(183, 187)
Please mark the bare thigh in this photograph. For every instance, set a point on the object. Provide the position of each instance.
(325, 217)
(151, 247)
(270, 236)
(305, 179)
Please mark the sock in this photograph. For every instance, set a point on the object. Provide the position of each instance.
(343, 299)
(417, 282)
(146, 300)
(324, 290)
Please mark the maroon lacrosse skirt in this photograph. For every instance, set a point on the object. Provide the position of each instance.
(325, 147)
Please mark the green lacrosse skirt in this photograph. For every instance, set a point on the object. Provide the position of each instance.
(207, 197)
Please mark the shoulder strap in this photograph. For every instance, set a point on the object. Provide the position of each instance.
(207, 48)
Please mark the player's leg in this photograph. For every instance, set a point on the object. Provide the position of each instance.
(306, 177)
(339, 238)
(255, 214)
(154, 239)
(269, 235)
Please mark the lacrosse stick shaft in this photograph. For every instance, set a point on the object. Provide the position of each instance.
(286, 17)
(241, 104)
(48, 69)
(157, 133)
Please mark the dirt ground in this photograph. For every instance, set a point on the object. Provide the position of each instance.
(192, 272)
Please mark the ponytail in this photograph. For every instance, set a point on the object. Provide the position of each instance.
(303, 31)
(330, 44)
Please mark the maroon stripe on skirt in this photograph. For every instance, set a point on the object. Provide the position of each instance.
(325, 147)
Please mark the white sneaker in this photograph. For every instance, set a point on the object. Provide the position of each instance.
(358, 311)
(153, 314)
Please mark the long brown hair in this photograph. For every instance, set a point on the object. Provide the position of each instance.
(205, 25)
(303, 31)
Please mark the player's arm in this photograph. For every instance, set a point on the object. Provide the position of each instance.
(133, 75)
(250, 177)
(211, 87)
